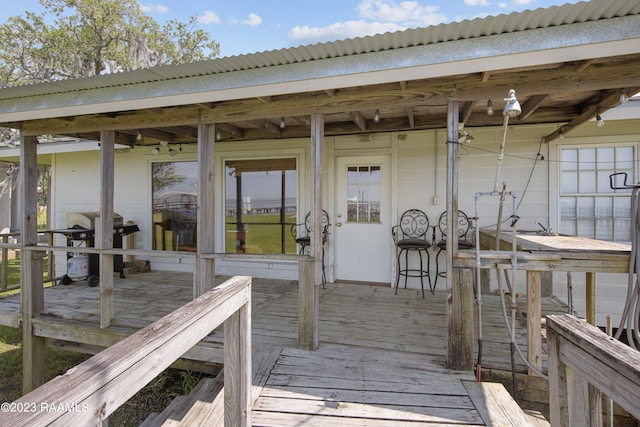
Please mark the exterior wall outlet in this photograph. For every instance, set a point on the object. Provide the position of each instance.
(436, 200)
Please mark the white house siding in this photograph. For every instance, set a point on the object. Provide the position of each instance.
(76, 189)
(418, 175)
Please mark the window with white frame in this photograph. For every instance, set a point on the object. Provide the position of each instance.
(589, 207)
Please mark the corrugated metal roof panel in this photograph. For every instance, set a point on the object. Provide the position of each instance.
(480, 27)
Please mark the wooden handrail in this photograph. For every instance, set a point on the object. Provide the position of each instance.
(90, 392)
(581, 355)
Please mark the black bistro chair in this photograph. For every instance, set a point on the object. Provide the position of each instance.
(412, 235)
(302, 235)
(464, 227)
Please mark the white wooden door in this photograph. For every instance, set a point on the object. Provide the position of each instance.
(362, 219)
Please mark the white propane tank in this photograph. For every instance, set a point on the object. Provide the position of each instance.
(78, 266)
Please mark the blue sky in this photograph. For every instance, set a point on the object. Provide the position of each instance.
(243, 26)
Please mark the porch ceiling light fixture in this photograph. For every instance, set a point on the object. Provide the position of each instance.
(489, 108)
(624, 96)
(600, 120)
(512, 107)
(282, 124)
(376, 116)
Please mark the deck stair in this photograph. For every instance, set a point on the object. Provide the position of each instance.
(203, 406)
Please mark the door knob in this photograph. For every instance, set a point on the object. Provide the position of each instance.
(339, 224)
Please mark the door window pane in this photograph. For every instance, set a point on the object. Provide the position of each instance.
(363, 194)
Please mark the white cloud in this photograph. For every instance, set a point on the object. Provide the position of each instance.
(406, 13)
(338, 31)
(477, 2)
(523, 2)
(208, 17)
(378, 16)
(252, 21)
(148, 8)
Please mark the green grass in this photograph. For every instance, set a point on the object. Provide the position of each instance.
(152, 398)
(263, 234)
(13, 275)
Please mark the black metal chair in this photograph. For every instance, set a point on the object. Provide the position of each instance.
(302, 235)
(464, 226)
(412, 235)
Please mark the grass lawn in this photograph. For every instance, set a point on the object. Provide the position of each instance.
(153, 398)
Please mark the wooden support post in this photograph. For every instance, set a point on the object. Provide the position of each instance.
(31, 292)
(104, 225)
(237, 368)
(459, 317)
(4, 273)
(205, 276)
(590, 290)
(558, 393)
(317, 143)
(462, 324)
(546, 289)
(308, 305)
(310, 272)
(534, 323)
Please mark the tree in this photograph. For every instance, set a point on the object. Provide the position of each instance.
(92, 37)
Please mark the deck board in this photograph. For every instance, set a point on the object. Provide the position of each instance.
(380, 362)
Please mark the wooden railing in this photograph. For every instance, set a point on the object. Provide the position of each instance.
(90, 392)
(5, 246)
(583, 361)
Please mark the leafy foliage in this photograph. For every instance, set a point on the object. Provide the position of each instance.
(83, 38)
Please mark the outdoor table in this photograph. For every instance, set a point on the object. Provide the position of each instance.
(553, 252)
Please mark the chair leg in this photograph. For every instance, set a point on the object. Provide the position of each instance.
(398, 271)
(324, 275)
(438, 273)
(406, 267)
(431, 288)
(421, 271)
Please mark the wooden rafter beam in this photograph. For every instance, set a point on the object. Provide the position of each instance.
(303, 120)
(467, 109)
(265, 124)
(532, 104)
(580, 66)
(206, 106)
(358, 119)
(607, 99)
(411, 117)
(234, 131)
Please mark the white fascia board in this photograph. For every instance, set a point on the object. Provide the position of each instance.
(573, 42)
(59, 147)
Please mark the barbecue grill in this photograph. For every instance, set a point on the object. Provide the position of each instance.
(81, 231)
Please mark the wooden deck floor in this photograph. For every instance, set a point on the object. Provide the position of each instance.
(381, 355)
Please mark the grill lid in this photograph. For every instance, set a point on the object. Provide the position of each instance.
(87, 220)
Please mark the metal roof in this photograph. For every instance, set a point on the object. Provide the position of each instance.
(503, 24)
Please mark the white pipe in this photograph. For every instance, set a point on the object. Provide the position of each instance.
(501, 153)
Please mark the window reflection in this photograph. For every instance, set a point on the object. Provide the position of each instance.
(174, 205)
(260, 206)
